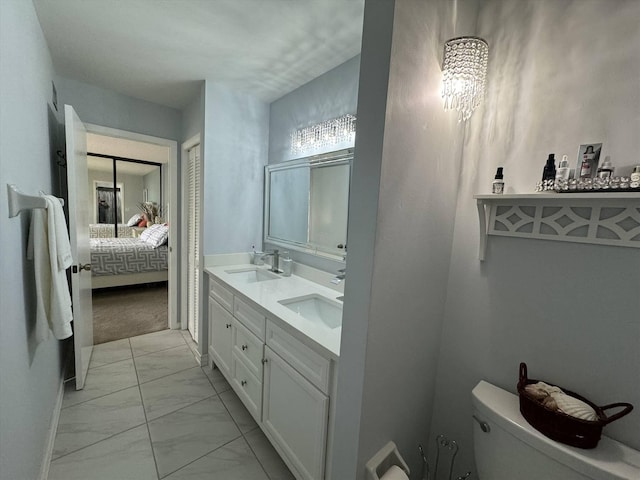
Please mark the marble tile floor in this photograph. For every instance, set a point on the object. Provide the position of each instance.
(148, 411)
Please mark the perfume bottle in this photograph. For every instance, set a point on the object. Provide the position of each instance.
(498, 183)
(563, 171)
(549, 170)
(635, 177)
(606, 170)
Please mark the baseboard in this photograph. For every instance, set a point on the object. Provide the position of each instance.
(53, 428)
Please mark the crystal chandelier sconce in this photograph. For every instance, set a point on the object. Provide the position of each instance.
(325, 134)
(465, 72)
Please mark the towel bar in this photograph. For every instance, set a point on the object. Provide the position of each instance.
(18, 201)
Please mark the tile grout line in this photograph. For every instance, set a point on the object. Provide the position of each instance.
(201, 457)
(146, 419)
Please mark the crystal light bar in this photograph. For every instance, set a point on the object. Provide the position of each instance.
(465, 72)
(325, 134)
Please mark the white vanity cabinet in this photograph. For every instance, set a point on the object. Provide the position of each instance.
(296, 402)
(279, 375)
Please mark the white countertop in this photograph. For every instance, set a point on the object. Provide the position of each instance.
(266, 296)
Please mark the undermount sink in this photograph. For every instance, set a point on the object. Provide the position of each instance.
(252, 275)
(316, 308)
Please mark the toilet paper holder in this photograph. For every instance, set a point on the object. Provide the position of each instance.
(381, 462)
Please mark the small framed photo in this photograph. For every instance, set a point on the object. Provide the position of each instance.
(588, 159)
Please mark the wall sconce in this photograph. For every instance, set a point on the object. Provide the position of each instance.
(325, 134)
(465, 71)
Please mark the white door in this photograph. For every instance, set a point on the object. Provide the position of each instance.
(79, 211)
(193, 242)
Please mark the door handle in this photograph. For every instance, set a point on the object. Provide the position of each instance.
(80, 267)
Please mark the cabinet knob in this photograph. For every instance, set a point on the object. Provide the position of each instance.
(243, 383)
(264, 360)
(244, 347)
(228, 325)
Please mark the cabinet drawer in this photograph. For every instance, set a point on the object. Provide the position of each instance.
(250, 318)
(248, 387)
(248, 347)
(313, 366)
(223, 296)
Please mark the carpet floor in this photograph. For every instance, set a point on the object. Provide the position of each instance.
(124, 312)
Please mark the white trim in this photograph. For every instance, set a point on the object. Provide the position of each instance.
(53, 430)
(172, 201)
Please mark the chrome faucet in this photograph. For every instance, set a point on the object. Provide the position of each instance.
(342, 274)
(275, 263)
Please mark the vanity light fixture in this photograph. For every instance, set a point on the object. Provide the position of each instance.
(326, 134)
(465, 71)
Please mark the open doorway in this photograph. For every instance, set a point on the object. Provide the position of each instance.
(131, 195)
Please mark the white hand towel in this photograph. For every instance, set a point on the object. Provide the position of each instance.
(50, 249)
(38, 251)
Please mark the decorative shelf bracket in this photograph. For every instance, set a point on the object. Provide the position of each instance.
(594, 218)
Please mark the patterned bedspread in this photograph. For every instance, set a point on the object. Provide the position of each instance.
(117, 256)
(105, 230)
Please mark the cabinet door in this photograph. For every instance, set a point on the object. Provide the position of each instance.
(295, 415)
(220, 336)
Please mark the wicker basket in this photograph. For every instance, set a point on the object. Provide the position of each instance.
(561, 427)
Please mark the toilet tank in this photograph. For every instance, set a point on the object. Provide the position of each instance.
(513, 449)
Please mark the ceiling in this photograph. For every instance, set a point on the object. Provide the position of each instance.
(160, 51)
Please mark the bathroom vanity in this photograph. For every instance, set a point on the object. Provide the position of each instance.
(277, 342)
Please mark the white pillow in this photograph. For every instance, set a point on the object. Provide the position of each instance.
(133, 221)
(155, 235)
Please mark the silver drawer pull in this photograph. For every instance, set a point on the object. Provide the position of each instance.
(243, 383)
(228, 325)
(244, 347)
(265, 360)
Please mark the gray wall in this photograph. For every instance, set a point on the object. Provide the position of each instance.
(30, 376)
(111, 109)
(328, 96)
(560, 74)
(151, 181)
(193, 116)
(407, 163)
(235, 152)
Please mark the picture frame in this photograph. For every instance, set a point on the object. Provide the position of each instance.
(588, 160)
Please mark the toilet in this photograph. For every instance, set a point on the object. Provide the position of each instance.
(508, 448)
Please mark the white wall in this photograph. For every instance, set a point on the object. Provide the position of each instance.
(560, 74)
(328, 96)
(406, 166)
(235, 152)
(29, 376)
(111, 109)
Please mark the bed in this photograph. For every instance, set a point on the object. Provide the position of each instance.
(105, 230)
(127, 261)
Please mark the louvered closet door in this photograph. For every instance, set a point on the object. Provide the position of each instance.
(193, 243)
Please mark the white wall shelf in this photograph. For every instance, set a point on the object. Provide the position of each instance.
(595, 218)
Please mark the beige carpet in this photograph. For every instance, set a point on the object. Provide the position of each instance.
(124, 312)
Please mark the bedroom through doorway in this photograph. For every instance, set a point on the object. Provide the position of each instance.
(129, 234)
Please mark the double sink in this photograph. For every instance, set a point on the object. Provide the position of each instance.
(314, 308)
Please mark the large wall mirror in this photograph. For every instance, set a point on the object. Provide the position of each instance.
(136, 182)
(306, 203)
